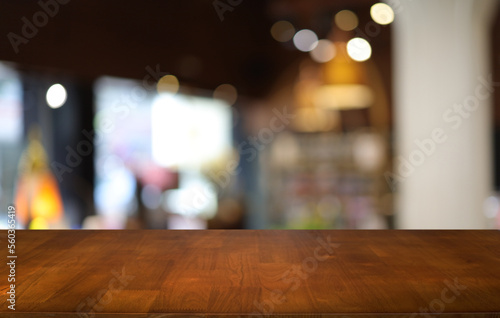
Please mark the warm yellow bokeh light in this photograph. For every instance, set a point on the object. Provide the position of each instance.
(282, 31)
(168, 84)
(382, 13)
(227, 93)
(346, 20)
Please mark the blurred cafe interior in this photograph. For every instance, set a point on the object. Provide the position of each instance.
(239, 114)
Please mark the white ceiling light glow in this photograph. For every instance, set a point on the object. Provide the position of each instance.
(56, 96)
(359, 49)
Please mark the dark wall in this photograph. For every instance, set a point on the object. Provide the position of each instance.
(121, 38)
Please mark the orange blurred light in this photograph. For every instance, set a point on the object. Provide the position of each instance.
(38, 197)
(38, 200)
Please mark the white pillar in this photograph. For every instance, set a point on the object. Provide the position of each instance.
(443, 100)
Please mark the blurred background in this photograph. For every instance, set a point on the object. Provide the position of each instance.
(220, 114)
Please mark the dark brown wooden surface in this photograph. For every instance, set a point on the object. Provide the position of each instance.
(232, 273)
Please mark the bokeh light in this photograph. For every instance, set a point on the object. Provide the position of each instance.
(368, 151)
(305, 40)
(346, 20)
(382, 13)
(282, 31)
(359, 49)
(227, 93)
(56, 96)
(168, 84)
(323, 52)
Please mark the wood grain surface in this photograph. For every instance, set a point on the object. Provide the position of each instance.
(230, 273)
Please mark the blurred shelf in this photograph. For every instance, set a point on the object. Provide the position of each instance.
(331, 181)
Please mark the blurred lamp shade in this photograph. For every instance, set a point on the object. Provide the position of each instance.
(346, 83)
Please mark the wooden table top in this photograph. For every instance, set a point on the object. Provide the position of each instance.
(231, 273)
